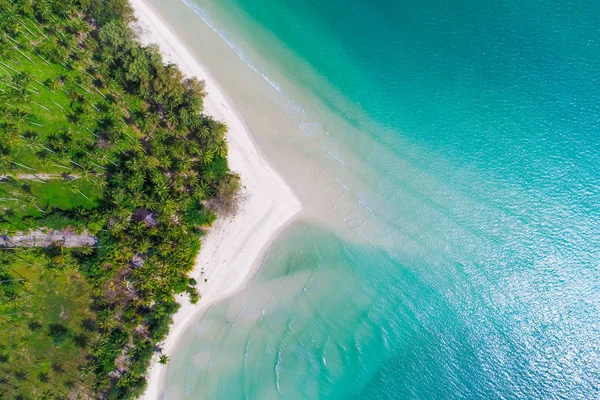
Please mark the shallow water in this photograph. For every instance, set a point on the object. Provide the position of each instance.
(449, 157)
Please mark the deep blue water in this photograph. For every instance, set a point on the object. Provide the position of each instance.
(476, 140)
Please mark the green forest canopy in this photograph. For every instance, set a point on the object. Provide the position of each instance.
(97, 135)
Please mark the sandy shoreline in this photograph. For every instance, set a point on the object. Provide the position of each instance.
(231, 251)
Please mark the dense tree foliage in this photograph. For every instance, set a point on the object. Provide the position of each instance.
(98, 134)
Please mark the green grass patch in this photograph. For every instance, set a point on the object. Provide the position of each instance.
(45, 331)
(25, 205)
(58, 194)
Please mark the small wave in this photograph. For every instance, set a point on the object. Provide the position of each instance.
(336, 157)
(310, 128)
(363, 203)
(246, 351)
(343, 184)
(237, 317)
(332, 153)
(277, 365)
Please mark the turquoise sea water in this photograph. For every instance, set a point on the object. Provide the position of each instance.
(467, 136)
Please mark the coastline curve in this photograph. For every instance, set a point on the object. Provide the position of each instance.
(231, 251)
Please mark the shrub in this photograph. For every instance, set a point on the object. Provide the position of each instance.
(59, 333)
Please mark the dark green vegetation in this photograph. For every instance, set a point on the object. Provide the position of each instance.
(97, 135)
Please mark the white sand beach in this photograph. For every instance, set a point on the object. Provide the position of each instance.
(231, 251)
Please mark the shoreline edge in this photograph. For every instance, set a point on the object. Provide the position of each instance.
(232, 249)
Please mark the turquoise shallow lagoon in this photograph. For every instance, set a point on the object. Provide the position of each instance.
(455, 251)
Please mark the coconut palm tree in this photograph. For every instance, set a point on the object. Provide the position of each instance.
(207, 157)
(220, 147)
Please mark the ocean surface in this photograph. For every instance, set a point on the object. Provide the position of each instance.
(449, 157)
